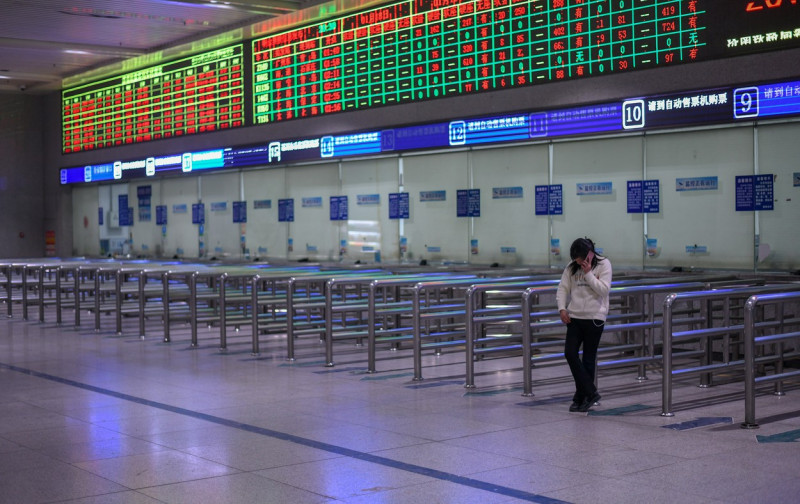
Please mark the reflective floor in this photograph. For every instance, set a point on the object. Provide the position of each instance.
(90, 417)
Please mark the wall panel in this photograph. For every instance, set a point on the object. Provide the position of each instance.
(265, 236)
(779, 154)
(508, 231)
(181, 239)
(706, 218)
(601, 217)
(369, 228)
(313, 234)
(433, 230)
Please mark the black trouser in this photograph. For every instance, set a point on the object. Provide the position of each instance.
(587, 333)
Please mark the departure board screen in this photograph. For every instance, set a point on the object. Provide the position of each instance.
(191, 95)
(422, 49)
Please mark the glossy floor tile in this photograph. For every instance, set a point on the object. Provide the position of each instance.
(94, 417)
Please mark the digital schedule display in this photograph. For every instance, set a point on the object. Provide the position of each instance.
(191, 95)
(421, 49)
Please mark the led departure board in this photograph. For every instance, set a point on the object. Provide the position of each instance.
(421, 49)
(191, 95)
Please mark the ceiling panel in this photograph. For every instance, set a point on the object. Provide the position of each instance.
(43, 41)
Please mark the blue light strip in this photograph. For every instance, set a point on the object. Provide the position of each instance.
(707, 106)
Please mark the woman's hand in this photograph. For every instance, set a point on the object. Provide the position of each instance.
(564, 316)
(585, 265)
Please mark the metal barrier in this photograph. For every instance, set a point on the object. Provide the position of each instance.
(751, 342)
(269, 292)
(347, 302)
(634, 318)
(310, 302)
(389, 308)
(726, 331)
(432, 318)
(483, 317)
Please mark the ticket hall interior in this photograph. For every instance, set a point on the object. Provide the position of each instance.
(272, 251)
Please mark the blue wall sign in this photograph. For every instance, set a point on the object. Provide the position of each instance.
(697, 184)
(643, 196)
(338, 207)
(549, 199)
(432, 195)
(585, 189)
(161, 215)
(198, 213)
(368, 199)
(506, 192)
(286, 210)
(468, 203)
(399, 205)
(239, 211)
(754, 193)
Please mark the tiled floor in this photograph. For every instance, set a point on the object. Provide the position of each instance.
(100, 418)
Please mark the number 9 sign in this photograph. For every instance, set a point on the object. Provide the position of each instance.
(745, 102)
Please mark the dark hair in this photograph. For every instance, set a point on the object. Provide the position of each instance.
(580, 248)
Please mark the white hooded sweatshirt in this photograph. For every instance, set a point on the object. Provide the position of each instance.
(585, 295)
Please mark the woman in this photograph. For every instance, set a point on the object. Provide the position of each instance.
(582, 300)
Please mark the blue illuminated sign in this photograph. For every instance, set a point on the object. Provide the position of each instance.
(717, 105)
(351, 145)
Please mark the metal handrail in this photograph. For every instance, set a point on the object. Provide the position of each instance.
(645, 347)
(750, 342)
(720, 294)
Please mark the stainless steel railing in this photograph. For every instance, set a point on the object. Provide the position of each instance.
(752, 342)
(726, 331)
